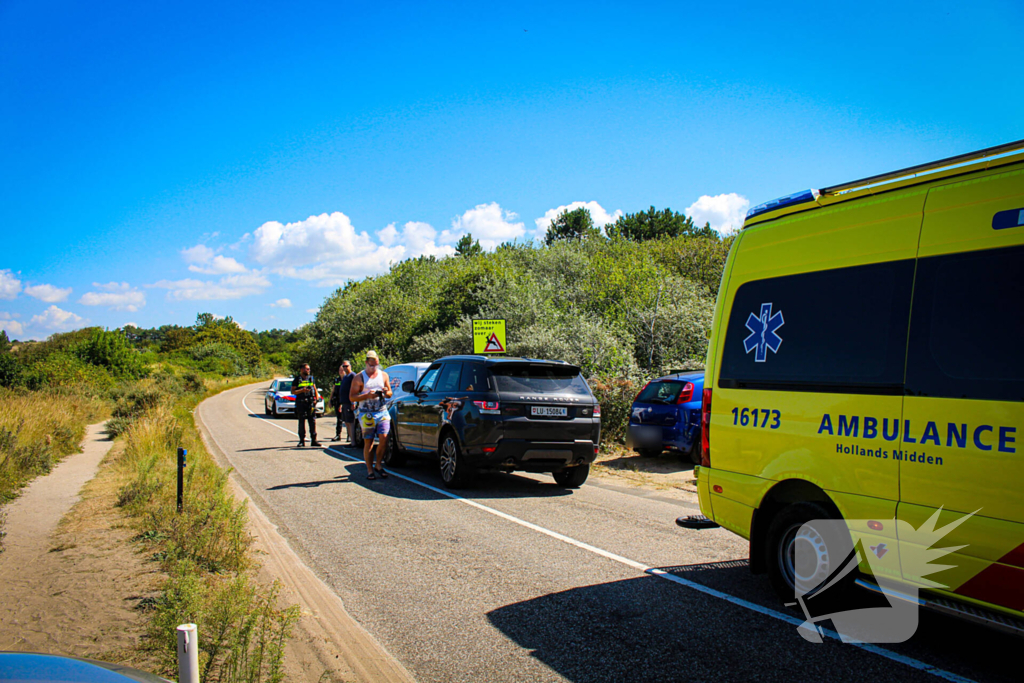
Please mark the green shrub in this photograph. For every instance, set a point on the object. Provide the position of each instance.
(10, 370)
(112, 351)
(67, 370)
(219, 358)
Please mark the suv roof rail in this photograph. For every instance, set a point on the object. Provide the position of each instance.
(930, 166)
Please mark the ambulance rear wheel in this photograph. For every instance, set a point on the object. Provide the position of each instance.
(806, 546)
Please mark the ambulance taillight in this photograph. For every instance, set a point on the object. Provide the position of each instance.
(705, 429)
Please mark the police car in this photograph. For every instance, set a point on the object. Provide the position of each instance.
(280, 400)
(865, 365)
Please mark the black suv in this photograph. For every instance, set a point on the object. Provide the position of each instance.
(504, 414)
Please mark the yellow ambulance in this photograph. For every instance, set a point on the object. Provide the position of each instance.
(866, 363)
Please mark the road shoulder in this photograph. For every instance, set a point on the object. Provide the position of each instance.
(327, 640)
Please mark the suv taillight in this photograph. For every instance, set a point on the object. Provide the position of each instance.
(686, 395)
(488, 407)
(597, 410)
(705, 429)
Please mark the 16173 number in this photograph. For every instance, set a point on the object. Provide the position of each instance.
(748, 417)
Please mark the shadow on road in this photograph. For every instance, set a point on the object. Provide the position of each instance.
(340, 479)
(648, 629)
(486, 485)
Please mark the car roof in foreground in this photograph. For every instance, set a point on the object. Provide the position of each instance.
(34, 666)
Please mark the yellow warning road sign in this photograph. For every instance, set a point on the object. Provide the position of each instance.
(489, 336)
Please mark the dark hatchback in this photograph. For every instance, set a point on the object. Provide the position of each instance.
(505, 414)
(666, 416)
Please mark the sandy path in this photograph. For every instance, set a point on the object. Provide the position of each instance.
(33, 517)
(63, 587)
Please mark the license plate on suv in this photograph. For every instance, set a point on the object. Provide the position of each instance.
(548, 411)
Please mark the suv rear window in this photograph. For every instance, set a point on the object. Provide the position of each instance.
(660, 392)
(540, 379)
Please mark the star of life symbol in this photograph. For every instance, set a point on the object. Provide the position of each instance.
(817, 572)
(762, 333)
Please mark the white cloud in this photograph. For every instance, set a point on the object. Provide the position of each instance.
(219, 266)
(9, 284)
(48, 293)
(488, 223)
(10, 325)
(281, 303)
(328, 250)
(203, 259)
(57, 320)
(197, 254)
(228, 287)
(420, 239)
(130, 325)
(597, 212)
(312, 310)
(119, 296)
(725, 212)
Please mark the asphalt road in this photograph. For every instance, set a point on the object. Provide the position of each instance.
(519, 580)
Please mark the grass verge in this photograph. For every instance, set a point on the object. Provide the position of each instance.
(205, 550)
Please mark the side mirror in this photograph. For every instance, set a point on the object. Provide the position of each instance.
(408, 386)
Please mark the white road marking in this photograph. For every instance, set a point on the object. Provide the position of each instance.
(653, 571)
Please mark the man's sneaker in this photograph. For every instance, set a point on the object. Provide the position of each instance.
(315, 444)
(301, 444)
(337, 438)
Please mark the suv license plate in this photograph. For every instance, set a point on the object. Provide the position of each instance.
(548, 411)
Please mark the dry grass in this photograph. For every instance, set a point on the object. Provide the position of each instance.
(37, 429)
(617, 464)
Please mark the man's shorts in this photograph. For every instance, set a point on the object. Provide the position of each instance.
(347, 414)
(375, 423)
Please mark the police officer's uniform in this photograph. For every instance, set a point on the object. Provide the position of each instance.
(305, 408)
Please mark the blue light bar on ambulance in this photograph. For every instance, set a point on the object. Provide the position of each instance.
(788, 200)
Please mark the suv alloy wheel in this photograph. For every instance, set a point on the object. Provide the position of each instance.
(454, 472)
(394, 456)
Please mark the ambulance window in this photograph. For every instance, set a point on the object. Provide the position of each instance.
(837, 331)
(968, 325)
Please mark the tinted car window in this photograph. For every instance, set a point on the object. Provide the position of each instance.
(449, 380)
(429, 378)
(476, 377)
(842, 331)
(967, 326)
(540, 379)
(660, 392)
(284, 385)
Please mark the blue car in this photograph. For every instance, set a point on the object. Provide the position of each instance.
(666, 416)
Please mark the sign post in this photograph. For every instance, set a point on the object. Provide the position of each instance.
(489, 336)
(181, 476)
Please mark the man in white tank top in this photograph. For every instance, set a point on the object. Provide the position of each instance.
(371, 388)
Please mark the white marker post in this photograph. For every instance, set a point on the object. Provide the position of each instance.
(188, 654)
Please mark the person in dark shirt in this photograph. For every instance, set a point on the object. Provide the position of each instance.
(348, 408)
(339, 399)
(306, 397)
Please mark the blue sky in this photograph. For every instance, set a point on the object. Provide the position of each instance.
(161, 159)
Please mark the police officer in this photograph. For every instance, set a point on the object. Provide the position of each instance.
(339, 399)
(306, 397)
